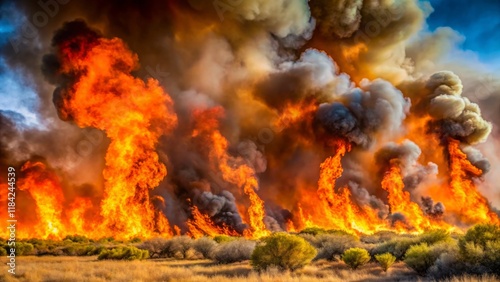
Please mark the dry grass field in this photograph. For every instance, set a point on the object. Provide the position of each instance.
(74, 269)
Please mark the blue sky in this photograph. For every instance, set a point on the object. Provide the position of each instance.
(16, 94)
(477, 20)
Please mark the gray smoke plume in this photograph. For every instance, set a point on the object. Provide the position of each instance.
(314, 74)
(363, 198)
(431, 209)
(477, 158)
(248, 150)
(221, 208)
(406, 154)
(364, 112)
(455, 116)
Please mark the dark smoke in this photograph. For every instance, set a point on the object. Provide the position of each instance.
(364, 112)
(221, 208)
(432, 209)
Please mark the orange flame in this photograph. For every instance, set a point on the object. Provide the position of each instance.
(336, 209)
(44, 188)
(107, 97)
(293, 113)
(233, 170)
(76, 215)
(400, 201)
(201, 225)
(466, 199)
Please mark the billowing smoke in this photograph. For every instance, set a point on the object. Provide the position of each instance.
(406, 154)
(431, 208)
(364, 112)
(456, 116)
(222, 208)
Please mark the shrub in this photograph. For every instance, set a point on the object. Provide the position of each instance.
(135, 240)
(480, 248)
(77, 238)
(123, 253)
(378, 237)
(177, 247)
(481, 234)
(155, 246)
(224, 239)
(106, 240)
(448, 261)
(285, 251)
(330, 246)
(420, 258)
(204, 246)
(313, 231)
(90, 250)
(234, 251)
(82, 250)
(434, 236)
(448, 247)
(24, 249)
(356, 257)
(492, 256)
(3, 252)
(397, 247)
(385, 260)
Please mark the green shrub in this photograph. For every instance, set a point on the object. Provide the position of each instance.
(87, 250)
(434, 236)
(224, 239)
(448, 261)
(378, 237)
(233, 251)
(397, 247)
(3, 252)
(356, 257)
(481, 234)
(331, 246)
(492, 256)
(106, 240)
(420, 258)
(77, 238)
(24, 249)
(313, 231)
(123, 253)
(480, 247)
(135, 240)
(285, 251)
(385, 260)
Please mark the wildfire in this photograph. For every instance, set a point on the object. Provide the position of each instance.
(283, 106)
(44, 188)
(106, 96)
(201, 225)
(294, 113)
(400, 201)
(233, 170)
(466, 201)
(336, 209)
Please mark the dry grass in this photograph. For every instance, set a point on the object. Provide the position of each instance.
(72, 269)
